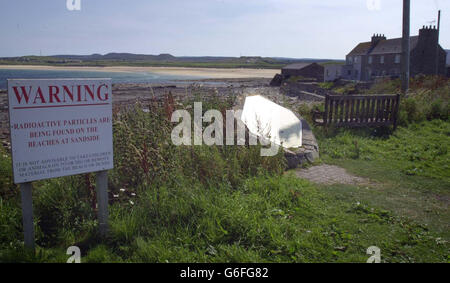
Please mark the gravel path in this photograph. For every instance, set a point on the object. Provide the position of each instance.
(330, 174)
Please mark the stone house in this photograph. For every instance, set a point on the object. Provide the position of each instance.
(305, 70)
(448, 63)
(381, 57)
(332, 72)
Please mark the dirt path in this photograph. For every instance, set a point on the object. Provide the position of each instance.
(330, 174)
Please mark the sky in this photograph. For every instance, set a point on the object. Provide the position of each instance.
(269, 28)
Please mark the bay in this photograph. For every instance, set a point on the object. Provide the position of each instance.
(117, 77)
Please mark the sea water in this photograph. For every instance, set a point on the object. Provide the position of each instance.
(117, 77)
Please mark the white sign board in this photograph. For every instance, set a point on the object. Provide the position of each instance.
(60, 127)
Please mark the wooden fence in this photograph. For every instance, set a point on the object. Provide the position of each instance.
(359, 110)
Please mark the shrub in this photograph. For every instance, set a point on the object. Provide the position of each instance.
(438, 110)
(7, 187)
(63, 210)
(385, 86)
(304, 110)
(428, 98)
(10, 223)
(326, 85)
(410, 106)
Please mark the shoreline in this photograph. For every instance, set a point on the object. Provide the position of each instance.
(208, 73)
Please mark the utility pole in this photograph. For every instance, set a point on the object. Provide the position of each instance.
(437, 44)
(405, 46)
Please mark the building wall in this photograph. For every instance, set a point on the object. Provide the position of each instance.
(352, 68)
(357, 66)
(332, 72)
(378, 68)
(423, 57)
(423, 60)
(442, 61)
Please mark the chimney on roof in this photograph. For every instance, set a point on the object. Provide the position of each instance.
(377, 38)
(429, 33)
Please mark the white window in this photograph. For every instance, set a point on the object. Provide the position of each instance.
(382, 60)
(370, 59)
(356, 59)
(350, 59)
(397, 58)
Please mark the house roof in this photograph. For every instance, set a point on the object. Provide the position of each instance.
(393, 45)
(388, 46)
(296, 66)
(361, 49)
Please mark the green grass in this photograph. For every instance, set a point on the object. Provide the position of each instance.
(326, 85)
(409, 169)
(268, 219)
(229, 204)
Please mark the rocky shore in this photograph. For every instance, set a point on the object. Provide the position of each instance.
(128, 94)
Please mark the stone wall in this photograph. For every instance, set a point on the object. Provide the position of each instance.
(298, 90)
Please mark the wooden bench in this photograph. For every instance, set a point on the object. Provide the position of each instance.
(359, 110)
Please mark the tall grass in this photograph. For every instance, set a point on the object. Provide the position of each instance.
(147, 166)
(202, 204)
(427, 99)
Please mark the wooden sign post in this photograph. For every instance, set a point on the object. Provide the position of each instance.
(102, 201)
(27, 214)
(58, 128)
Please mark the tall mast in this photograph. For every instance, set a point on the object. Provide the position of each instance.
(437, 43)
(405, 46)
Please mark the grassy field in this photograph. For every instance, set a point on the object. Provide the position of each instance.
(409, 170)
(229, 204)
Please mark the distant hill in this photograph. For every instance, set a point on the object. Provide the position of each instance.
(117, 56)
(171, 58)
(130, 59)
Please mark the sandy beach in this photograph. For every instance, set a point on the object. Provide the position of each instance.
(232, 82)
(213, 73)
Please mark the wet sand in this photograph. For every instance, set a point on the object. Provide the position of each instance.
(126, 95)
(213, 73)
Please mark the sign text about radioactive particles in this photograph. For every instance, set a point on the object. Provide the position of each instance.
(60, 127)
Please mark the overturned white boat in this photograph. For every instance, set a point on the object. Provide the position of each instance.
(271, 121)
